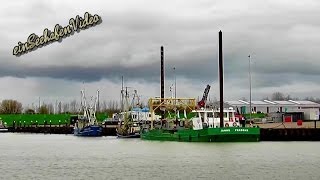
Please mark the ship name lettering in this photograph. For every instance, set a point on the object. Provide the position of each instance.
(242, 130)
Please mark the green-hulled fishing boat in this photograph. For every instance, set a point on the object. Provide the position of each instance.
(231, 134)
(203, 127)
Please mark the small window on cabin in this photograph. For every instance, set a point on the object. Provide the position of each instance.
(230, 114)
(216, 115)
(210, 114)
(225, 114)
(149, 115)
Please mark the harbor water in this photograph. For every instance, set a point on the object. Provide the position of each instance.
(39, 156)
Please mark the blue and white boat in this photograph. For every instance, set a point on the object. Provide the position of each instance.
(87, 124)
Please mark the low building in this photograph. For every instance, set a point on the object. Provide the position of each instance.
(267, 106)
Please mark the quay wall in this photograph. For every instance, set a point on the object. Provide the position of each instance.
(266, 134)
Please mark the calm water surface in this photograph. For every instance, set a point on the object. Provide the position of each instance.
(38, 156)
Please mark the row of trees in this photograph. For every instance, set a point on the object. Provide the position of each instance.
(14, 107)
(10, 106)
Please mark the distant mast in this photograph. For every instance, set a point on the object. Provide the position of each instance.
(162, 77)
(98, 94)
(122, 106)
(221, 78)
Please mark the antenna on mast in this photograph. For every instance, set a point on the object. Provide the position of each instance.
(98, 93)
(122, 107)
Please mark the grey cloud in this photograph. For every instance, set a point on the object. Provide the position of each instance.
(149, 72)
(281, 38)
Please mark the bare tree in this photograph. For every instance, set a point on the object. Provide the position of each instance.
(66, 107)
(111, 105)
(243, 99)
(288, 97)
(73, 106)
(50, 108)
(104, 106)
(116, 105)
(295, 98)
(29, 111)
(43, 109)
(317, 100)
(10, 106)
(60, 108)
(278, 96)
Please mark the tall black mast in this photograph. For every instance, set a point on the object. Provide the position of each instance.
(221, 78)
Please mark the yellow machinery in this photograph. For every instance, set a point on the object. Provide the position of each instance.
(170, 104)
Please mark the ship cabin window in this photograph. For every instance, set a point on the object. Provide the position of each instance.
(210, 114)
(134, 116)
(217, 115)
(230, 114)
(149, 115)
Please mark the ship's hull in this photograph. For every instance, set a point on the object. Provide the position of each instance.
(91, 130)
(135, 135)
(232, 134)
(3, 130)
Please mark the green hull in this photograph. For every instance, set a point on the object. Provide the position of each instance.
(29, 119)
(232, 134)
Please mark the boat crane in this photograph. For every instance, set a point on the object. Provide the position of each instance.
(89, 110)
(203, 101)
(135, 99)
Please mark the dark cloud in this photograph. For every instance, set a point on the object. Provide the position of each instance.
(281, 37)
(149, 72)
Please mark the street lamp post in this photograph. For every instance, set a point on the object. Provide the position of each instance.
(175, 83)
(250, 83)
(175, 92)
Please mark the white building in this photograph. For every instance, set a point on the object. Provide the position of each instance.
(267, 106)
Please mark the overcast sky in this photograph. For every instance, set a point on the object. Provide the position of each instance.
(283, 39)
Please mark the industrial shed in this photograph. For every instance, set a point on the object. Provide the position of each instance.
(267, 106)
